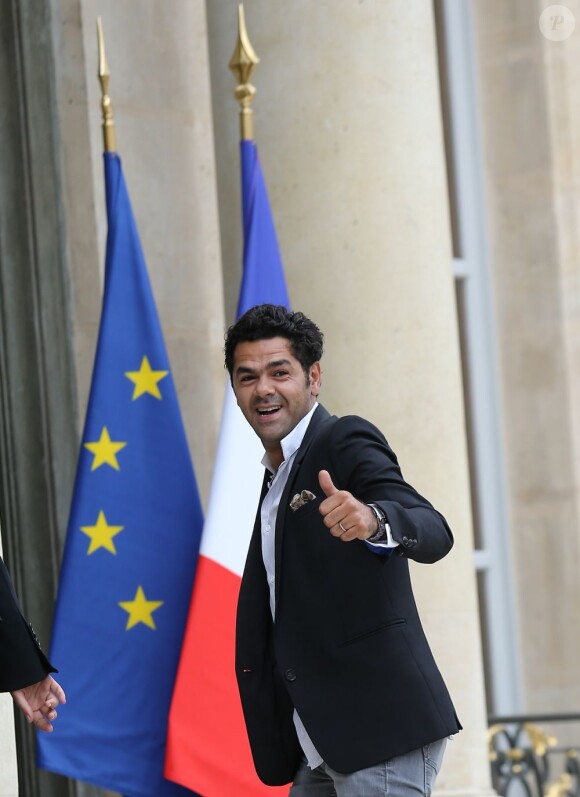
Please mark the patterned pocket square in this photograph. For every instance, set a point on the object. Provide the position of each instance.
(300, 499)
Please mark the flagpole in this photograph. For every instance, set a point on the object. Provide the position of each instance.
(242, 63)
(109, 143)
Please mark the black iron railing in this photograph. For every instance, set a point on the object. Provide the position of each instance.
(531, 758)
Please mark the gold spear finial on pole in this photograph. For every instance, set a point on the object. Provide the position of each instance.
(242, 63)
(106, 107)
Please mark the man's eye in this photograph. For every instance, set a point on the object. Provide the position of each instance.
(281, 373)
(246, 378)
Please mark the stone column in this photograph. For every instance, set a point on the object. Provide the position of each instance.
(348, 123)
(531, 132)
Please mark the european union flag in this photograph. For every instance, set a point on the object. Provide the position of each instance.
(132, 542)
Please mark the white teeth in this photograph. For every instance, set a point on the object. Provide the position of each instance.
(268, 411)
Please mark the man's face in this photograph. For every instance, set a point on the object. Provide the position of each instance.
(272, 389)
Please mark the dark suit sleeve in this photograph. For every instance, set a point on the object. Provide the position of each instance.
(364, 464)
(22, 661)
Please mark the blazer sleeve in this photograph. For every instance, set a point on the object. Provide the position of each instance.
(366, 466)
(22, 661)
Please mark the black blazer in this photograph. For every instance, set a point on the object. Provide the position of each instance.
(22, 662)
(347, 649)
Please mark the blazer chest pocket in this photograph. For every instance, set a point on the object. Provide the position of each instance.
(306, 509)
(397, 623)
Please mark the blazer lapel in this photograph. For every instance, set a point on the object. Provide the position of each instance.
(257, 531)
(320, 416)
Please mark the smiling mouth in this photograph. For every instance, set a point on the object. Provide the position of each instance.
(266, 412)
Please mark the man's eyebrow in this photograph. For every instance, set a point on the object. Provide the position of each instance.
(246, 369)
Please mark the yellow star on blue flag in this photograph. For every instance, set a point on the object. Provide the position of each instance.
(145, 380)
(101, 534)
(105, 450)
(140, 609)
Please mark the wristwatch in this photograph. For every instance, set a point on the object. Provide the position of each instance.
(381, 533)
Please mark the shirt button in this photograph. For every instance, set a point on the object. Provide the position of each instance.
(271, 579)
(266, 528)
(290, 675)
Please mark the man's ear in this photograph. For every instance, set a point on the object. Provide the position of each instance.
(315, 375)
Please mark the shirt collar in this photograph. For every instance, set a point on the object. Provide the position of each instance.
(293, 440)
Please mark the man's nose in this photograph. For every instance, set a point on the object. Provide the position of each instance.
(264, 387)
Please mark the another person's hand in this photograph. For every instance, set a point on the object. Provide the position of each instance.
(39, 701)
(343, 514)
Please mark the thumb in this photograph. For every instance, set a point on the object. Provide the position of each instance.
(326, 483)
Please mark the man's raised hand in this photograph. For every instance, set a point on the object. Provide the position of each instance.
(343, 514)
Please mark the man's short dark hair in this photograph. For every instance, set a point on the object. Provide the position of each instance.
(270, 321)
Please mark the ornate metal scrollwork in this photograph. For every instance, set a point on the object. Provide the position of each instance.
(526, 760)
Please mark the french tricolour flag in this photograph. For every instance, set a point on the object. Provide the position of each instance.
(207, 746)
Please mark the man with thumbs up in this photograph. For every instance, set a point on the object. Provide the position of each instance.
(340, 692)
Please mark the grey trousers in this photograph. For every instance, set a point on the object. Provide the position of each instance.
(409, 775)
